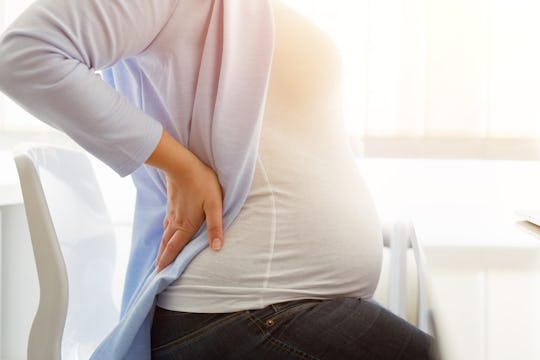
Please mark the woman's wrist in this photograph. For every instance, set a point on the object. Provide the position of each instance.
(172, 158)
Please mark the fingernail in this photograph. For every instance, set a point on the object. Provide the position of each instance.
(216, 244)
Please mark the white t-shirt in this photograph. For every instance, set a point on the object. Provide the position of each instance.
(308, 228)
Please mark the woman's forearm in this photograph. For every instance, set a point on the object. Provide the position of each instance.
(172, 157)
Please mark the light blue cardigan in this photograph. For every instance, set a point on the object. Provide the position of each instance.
(198, 68)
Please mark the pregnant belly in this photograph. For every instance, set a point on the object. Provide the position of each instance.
(307, 230)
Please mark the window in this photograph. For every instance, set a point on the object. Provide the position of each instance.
(456, 78)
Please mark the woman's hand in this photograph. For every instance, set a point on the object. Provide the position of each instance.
(193, 196)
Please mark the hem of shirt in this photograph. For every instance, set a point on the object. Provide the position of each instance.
(235, 303)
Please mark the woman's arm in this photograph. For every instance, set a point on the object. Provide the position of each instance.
(193, 195)
(48, 58)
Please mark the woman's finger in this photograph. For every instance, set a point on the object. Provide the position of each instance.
(214, 212)
(167, 235)
(172, 248)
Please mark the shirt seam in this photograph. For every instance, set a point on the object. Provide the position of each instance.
(273, 228)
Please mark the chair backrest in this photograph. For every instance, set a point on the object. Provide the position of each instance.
(74, 248)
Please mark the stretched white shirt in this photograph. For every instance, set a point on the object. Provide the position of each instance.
(308, 229)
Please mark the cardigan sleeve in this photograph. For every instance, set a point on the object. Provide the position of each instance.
(48, 59)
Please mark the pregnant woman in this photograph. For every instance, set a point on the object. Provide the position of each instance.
(227, 114)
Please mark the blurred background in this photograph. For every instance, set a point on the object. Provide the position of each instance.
(423, 78)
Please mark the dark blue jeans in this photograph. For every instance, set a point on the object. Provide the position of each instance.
(344, 328)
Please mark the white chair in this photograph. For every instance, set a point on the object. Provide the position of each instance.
(74, 248)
